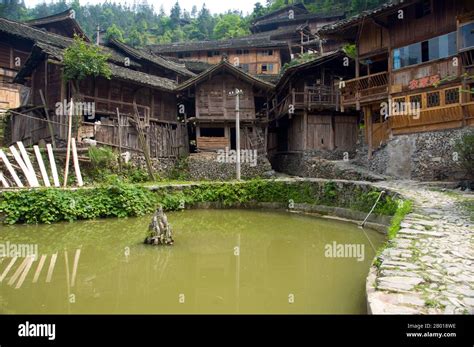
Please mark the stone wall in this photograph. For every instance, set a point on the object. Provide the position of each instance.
(162, 166)
(307, 164)
(207, 166)
(420, 156)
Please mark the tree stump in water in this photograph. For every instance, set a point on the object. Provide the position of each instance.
(160, 230)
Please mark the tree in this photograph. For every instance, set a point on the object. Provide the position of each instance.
(205, 22)
(229, 25)
(258, 10)
(194, 11)
(175, 15)
(115, 32)
(82, 60)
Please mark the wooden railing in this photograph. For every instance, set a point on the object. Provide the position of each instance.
(311, 98)
(109, 106)
(366, 88)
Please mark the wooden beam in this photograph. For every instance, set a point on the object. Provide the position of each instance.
(23, 167)
(75, 159)
(52, 164)
(44, 173)
(10, 169)
(4, 181)
(28, 164)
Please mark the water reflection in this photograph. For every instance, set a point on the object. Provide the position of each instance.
(222, 262)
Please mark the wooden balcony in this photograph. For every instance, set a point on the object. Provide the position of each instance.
(365, 89)
(312, 98)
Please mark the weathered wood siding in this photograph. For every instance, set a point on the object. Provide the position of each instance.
(213, 100)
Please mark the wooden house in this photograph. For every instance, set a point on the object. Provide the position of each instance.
(138, 78)
(304, 115)
(275, 38)
(14, 51)
(63, 23)
(208, 103)
(411, 56)
(256, 54)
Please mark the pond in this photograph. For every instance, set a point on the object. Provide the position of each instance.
(223, 261)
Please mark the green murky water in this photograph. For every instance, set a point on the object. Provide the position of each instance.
(223, 261)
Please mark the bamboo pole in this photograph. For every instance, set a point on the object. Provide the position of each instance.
(75, 159)
(11, 169)
(28, 164)
(44, 173)
(4, 181)
(23, 167)
(68, 152)
(52, 164)
(143, 142)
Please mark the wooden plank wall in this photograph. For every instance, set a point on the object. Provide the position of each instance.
(319, 132)
(346, 132)
(213, 101)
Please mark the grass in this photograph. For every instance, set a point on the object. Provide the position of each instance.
(405, 208)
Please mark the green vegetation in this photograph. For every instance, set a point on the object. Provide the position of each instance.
(403, 207)
(141, 24)
(350, 50)
(465, 150)
(82, 60)
(301, 59)
(104, 165)
(118, 199)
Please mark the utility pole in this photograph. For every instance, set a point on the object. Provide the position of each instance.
(237, 92)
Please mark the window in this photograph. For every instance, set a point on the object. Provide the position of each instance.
(451, 96)
(442, 46)
(184, 55)
(267, 52)
(436, 48)
(416, 99)
(422, 8)
(264, 67)
(466, 32)
(209, 54)
(212, 132)
(270, 67)
(244, 67)
(432, 99)
(246, 51)
(212, 53)
(239, 52)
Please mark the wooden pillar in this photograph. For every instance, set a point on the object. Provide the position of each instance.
(305, 129)
(369, 130)
(357, 73)
(332, 141)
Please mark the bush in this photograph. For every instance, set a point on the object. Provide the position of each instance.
(465, 150)
(116, 199)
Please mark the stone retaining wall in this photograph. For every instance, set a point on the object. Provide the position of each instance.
(207, 166)
(426, 156)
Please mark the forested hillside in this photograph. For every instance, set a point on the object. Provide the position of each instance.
(141, 23)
